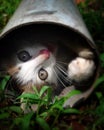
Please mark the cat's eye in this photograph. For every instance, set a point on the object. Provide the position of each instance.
(42, 74)
(24, 56)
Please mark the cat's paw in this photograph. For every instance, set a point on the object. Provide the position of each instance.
(81, 69)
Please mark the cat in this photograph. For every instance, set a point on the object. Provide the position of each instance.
(33, 62)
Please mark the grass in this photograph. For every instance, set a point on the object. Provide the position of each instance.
(88, 116)
(7, 8)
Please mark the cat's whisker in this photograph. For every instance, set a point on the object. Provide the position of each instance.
(61, 68)
(61, 71)
(59, 78)
(60, 62)
(65, 78)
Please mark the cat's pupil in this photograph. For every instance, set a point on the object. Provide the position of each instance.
(42, 74)
(24, 56)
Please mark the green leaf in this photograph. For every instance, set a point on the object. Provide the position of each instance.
(102, 57)
(4, 115)
(4, 82)
(99, 95)
(58, 103)
(28, 96)
(57, 106)
(24, 121)
(16, 109)
(72, 93)
(71, 111)
(44, 125)
(99, 81)
(49, 94)
(44, 115)
(43, 90)
(35, 91)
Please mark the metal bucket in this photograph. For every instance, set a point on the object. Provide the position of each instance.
(51, 19)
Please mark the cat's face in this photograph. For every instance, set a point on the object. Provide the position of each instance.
(34, 64)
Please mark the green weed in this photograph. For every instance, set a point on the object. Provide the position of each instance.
(7, 8)
(51, 115)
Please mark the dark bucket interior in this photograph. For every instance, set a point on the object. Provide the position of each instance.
(45, 33)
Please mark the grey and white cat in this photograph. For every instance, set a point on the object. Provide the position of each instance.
(33, 63)
(39, 66)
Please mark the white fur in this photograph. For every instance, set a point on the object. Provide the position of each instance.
(80, 69)
(29, 70)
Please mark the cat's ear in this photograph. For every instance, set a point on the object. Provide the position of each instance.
(86, 53)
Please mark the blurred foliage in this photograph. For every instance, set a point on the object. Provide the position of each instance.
(7, 8)
(89, 116)
(45, 117)
(93, 14)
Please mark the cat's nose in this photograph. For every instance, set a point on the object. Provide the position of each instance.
(45, 52)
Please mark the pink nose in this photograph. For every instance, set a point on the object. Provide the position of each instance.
(45, 52)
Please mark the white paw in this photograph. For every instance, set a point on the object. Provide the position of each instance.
(80, 69)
